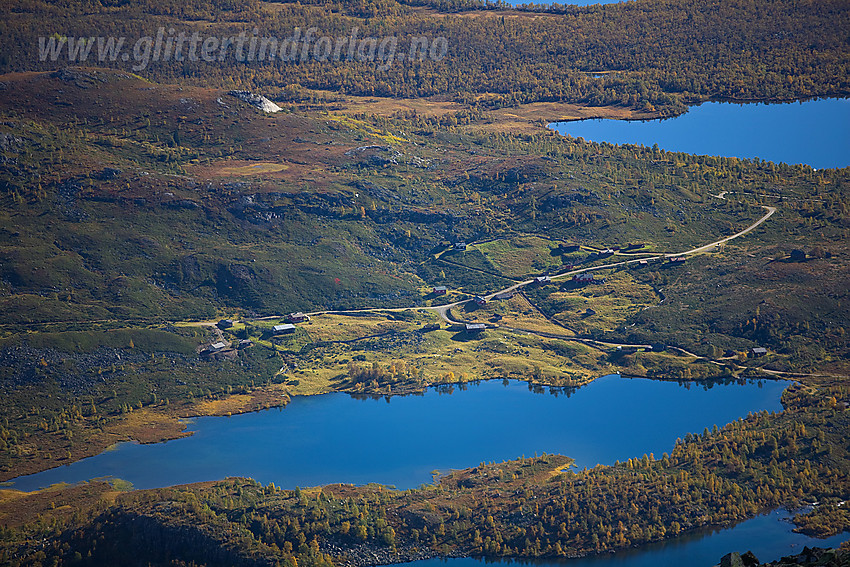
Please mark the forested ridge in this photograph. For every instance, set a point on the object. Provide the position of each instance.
(652, 56)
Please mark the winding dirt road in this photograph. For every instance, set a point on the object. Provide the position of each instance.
(444, 311)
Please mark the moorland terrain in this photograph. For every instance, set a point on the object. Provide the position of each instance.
(139, 210)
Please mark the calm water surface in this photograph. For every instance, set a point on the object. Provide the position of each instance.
(336, 438)
(816, 132)
(769, 537)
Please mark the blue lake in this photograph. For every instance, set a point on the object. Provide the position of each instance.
(815, 132)
(337, 438)
(769, 537)
(400, 441)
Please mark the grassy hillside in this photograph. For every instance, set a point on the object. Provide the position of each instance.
(133, 206)
(141, 204)
(141, 200)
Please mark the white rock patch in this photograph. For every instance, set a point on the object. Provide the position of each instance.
(259, 101)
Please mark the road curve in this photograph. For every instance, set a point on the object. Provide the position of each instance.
(444, 311)
(770, 212)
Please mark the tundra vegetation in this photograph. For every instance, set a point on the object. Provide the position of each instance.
(138, 212)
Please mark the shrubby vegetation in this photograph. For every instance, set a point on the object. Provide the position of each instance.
(127, 208)
(67, 394)
(95, 260)
(375, 375)
(655, 57)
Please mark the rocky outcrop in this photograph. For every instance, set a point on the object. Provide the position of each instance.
(23, 365)
(258, 101)
(160, 537)
(809, 557)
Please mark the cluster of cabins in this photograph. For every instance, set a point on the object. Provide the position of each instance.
(457, 245)
(221, 346)
(289, 325)
(224, 348)
(216, 347)
(675, 260)
(586, 278)
(582, 279)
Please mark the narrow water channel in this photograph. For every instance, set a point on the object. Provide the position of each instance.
(769, 537)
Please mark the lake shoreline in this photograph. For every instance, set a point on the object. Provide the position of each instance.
(797, 133)
(150, 426)
(775, 523)
(275, 446)
(650, 116)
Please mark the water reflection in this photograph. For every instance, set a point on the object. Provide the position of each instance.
(400, 440)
